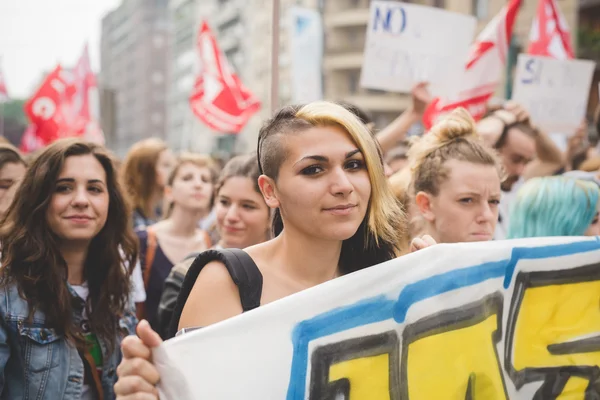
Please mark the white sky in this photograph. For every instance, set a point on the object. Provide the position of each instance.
(35, 35)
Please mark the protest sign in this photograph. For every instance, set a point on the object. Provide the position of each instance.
(408, 43)
(555, 92)
(513, 319)
(306, 50)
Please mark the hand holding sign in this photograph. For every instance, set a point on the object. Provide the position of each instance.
(555, 92)
(408, 43)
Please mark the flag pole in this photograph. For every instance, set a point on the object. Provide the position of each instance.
(275, 56)
(2, 117)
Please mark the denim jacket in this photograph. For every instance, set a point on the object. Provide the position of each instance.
(38, 363)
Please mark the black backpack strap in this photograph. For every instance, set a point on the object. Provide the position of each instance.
(244, 273)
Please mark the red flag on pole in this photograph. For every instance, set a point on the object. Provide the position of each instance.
(50, 109)
(63, 106)
(85, 98)
(483, 68)
(3, 90)
(550, 34)
(219, 99)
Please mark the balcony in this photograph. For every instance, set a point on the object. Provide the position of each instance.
(227, 14)
(348, 18)
(386, 102)
(343, 61)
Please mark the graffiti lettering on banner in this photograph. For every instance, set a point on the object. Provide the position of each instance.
(504, 320)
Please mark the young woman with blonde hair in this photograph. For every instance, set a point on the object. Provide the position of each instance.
(456, 179)
(188, 198)
(335, 214)
(144, 174)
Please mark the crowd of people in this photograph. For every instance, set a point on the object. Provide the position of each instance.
(90, 245)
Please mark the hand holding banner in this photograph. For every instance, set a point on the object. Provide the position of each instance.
(498, 320)
(555, 92)
(408, 43)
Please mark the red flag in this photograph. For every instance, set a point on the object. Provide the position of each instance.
(30, 140)
(85, 98)
(3, 91)
(219, 99)
(483, 68)
(50, 109)
(550, 34)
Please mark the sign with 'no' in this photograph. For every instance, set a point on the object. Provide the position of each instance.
(513, 319)
(408, 43)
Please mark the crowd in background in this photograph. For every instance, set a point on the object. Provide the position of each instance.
(91, 244)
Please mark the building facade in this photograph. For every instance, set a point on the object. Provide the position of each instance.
(133, 69)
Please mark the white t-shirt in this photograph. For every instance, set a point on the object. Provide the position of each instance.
(87, 392)
(138, 293)
(504, 210)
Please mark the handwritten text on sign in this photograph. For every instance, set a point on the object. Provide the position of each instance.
(408, 43)
(555, 92)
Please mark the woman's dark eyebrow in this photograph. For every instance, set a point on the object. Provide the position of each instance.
(353, 152)
(71, 180)
(325, 159)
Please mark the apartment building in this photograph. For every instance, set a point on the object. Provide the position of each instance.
(133, 69)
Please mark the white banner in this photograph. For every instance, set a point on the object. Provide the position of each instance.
(306, 50)
(555, 92)
(491, 320)
(408, 43)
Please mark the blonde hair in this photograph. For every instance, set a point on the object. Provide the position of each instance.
(199, 160)
(385, 221)
(138, 174)
(452, 138)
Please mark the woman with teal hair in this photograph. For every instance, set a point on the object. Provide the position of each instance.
(555, 206)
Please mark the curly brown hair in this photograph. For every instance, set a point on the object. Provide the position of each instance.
(31, 258)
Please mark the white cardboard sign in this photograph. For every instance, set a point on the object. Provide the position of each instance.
(490, 320)
(555, 92)
(408, 43)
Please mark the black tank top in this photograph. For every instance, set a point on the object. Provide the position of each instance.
(244, 273)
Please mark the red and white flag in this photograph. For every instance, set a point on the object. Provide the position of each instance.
(63, 106)
(483, 69)
(219, 99)
(51, 112)
(85, 98)
(3, 90)
(550, 35)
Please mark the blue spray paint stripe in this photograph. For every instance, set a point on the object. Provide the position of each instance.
(533, 253)
(446, 282)
(364, 312)
(379, 308)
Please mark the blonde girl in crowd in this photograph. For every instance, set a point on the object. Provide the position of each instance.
(64, 290)
(12, 170)
(335, 214)
(242, 220)
(188, 198)
(456, 181)
(144, 173)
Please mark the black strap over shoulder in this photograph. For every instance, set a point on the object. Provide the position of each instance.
(244, 273)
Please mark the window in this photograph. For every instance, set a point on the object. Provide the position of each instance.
(480, 8)
(353, 82)
(158, 78)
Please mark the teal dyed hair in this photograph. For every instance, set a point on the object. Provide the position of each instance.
(553, 206)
